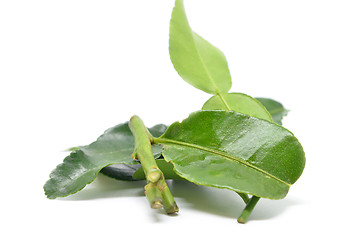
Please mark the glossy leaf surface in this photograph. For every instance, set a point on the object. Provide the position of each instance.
(197, 61)
(234, 151)
(276, 109)
(238, 102)
(82, 166)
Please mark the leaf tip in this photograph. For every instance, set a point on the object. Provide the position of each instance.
(47, 192)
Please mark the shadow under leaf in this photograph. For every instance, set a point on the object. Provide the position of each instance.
(105, 187)
(224, 202)
(216, 201)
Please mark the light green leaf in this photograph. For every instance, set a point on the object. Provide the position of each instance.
(237, 102)
(197, 61)
(82, 166)
(276, 109)
(234, 151)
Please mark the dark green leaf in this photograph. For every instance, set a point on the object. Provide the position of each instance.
(158, 130)
(234, 151)
(82, 166)
(237, 102)
(197, 61)
(276, 109)
(121, 171)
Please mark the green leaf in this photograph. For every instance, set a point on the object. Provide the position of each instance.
(197, 61)
(238, 102)
(82, 166)
(158, 130)
(276, 109)
(234, 151)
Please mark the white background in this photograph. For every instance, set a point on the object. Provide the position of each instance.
(71, 69)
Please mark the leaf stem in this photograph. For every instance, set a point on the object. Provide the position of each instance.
(154, 195)
(224, 101)
(157, 191)
(244, 196)
(248, 209)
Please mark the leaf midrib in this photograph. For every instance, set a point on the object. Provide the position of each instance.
(223, 100)
(219, 153)
(202, 60)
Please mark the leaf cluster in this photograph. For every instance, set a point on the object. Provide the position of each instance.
(235, 141)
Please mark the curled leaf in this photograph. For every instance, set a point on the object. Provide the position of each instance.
(121, 171)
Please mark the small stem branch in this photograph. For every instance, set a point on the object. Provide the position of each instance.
(248, 209)
(244, 196)
(228, 108)
(157, 191)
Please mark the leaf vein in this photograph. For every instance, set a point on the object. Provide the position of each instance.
(222, 154)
